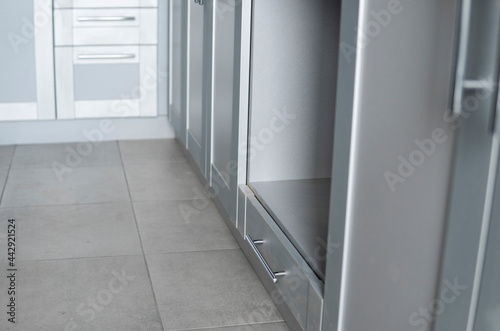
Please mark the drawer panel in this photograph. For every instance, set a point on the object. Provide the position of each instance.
(281, 256)
(106, 26)
(104, 3)
(106, 81)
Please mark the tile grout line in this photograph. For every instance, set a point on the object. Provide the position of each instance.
(94, 203)
(79, 258)
(232, 325)
(140, 237)
(8, 173)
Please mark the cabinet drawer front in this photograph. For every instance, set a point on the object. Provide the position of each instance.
(279, 253)
(106, 26)
(104, 3)
(106, 81)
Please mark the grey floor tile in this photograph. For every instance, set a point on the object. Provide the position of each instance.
(182, 226)
(280, 326)
(71, 155)
(34, 187)
(83, 294)
(209, 289)
(6, 153)
(58, 232)
(162, 181)
(147, 151)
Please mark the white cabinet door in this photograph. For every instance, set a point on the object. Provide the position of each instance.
(26, 60)
(106, 81)
(106, 61)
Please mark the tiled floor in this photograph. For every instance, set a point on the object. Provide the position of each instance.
(104, 242)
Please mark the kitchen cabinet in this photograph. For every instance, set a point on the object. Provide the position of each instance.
(283, 85)
(178, 61)
(341, 143)
(198, 80)
(290, 142)
(210, 50)
(487, 316)
(26, 61)
(472, 228)
(106, 59)
(230, 99)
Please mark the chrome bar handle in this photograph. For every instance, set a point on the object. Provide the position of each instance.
(105, 18)
(273, 275)
(105, 56)
(463, 45)
(196, 1)
(201, 2)
(496, 114)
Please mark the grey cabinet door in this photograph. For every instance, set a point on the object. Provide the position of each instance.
(475, 102)
(198, 63)
(178, 47)
(487, 316)
(230, 72)
(26, 60)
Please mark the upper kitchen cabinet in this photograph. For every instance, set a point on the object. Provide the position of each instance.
(26, 60)
(106, 58)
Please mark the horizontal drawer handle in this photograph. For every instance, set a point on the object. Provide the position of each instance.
(105, 56)
(274, 275)
(105, 18)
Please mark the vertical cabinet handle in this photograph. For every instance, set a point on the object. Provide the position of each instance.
(463, 43)
(462, 83)
(273, 275)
